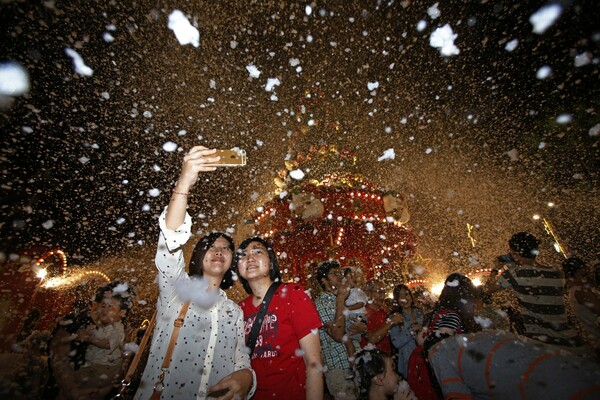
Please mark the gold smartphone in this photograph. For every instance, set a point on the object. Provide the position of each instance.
(230, 158)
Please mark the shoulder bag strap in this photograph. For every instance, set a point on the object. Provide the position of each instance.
(260, 316)
(136, 359)
(177, 324)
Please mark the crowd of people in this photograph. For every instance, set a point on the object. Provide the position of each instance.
(348, 342)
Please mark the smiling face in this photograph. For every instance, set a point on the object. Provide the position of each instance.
(404, 298)
(217, 258)
(254, 262)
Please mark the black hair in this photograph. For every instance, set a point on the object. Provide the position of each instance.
(525, 244)
(571, 265)
(323, 270)
(119, 290)
(460, 294)
(197, 259)
(397, 290)
(368, 363)
(274, 272)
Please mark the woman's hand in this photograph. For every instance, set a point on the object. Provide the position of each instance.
(194, 162)
(234, 386)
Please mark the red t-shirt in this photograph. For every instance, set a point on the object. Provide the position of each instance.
(375, 319)
(280, 371)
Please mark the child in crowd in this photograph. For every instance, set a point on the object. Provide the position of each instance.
(377, 378)
(355, 306)
(85, 349)
(356, 312)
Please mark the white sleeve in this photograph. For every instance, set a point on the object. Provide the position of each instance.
(169, 255)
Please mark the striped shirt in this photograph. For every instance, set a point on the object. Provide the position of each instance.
(540, 292)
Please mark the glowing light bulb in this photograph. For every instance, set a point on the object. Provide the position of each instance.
(41, 273)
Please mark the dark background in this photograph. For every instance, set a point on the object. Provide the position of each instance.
(470, 110)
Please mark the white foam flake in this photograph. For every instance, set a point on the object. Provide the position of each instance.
(482, 321)
(14, 79)
(108, 38)
(184, 31)
(169, 146)
(253, 71)
(564, 119)
(308, 10)
(294, 62)
(428, 150)
(544, 72)
(369, 227)
(80, 67)
(583, 59)
(271, 83)
(443, 39)
(196, 290)
(84, 160)
(433, 11)
(48, 224)
(594, 130)
(154, 192)
(545, 17)
(453, 283)
(388, 154)
(297, 174)
(421, 25)
(372, 85)
(510, 46)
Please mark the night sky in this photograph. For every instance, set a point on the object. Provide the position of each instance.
(478, 137)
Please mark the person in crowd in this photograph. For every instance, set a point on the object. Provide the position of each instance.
(454, 313)
(377, 379)
(502, 365)
(378, 322)
(584, 300)
(331, 307)
(208, 357)
(403, 335)
(86, 348)
(355, 311)
(539, 290)
(424, 300)
(287, 356)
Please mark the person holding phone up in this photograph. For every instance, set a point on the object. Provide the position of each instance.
(208, 353)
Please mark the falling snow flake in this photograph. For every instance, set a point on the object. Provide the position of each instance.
(544, 72)
(433, 11)
(388, 154)
(184, 31)
(510, 46)
(297, 174)
(271, 83)
(443, 38)
(80, 67)
(169, 146)
(253, 71)
(545, 17)
(14, 79)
